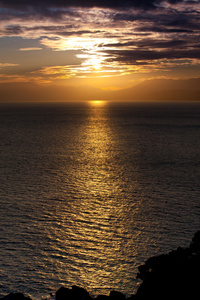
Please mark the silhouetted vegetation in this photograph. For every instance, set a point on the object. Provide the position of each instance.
(172, 276)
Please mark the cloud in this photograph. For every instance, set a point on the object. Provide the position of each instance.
(78, 3)
(3, 65)
(13, 30)
(30, 49)
(121, 37)
(45, 5)
(132, 56)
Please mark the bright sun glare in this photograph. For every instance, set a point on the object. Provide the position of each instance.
(96, 63)
(92, 60)
(97, 102)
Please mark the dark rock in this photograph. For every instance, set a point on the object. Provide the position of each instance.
(76, 293)
(63, 294)
(114, 295)
(132, 297)
(15, 296)
(102, 297)
(195, 245)
(173, 275)
(79, 293)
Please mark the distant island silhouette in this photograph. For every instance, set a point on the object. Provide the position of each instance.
(175, 275)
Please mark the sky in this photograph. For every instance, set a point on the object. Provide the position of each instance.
(104, 44)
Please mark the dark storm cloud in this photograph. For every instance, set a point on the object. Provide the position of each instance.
(88, 3)
(65, 31)
(55, 10)
(162, 29)
(132, 56)
(30, 12)
(146, 43)
(171, 35)
(187, 1)
(187, 22)
(169, 21)
(13, 30)
(78, 3)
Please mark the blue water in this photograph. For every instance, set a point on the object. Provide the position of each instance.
(90, 190)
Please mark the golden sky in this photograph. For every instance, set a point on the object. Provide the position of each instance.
(109, 45)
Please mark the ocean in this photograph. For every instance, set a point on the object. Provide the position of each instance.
(90, 190)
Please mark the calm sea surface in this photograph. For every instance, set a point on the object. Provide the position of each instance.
(89, 191)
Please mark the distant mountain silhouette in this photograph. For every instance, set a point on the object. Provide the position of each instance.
(163, 90)
(149, 90)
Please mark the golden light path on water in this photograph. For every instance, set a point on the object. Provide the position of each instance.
(94, 235)
(91, 190)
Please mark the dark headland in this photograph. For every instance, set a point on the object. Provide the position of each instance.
(175, 275)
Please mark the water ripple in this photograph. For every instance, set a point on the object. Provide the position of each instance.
(88, 193)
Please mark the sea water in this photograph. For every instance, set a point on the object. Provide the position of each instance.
(90, 190)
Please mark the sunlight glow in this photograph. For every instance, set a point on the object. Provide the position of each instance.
(96, 63)
(81, 43)
(93, 61)
(97, 102)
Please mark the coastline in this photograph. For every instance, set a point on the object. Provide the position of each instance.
(167, 276)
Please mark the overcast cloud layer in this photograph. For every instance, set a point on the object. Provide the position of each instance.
(90, 3)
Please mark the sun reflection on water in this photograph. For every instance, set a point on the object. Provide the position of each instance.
(93, 227)
(99, 212)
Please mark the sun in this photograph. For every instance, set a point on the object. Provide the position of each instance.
(97, 102)
(96, 63)
(91, 61)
